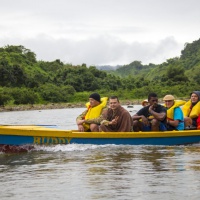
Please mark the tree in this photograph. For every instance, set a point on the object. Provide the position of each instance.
(4, 96)
(176, 74)
(12, 75)
(52, 93)
(24, 96)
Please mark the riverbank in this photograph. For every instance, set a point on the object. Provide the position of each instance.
(49, 106)
(40, 106)
(8, 108)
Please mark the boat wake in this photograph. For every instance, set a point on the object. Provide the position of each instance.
(51, 148)
(69, 147)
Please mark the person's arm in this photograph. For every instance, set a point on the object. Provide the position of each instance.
(112, 122)
(80, 121)
(173, 123)
(81, 116)
(140, 117)
(178, 116)
(159, 116)
(97, 120)
(140, 114)
(136, 117)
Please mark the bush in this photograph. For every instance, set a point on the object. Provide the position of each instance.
(24, 96)
(55, 94)
(4, 96)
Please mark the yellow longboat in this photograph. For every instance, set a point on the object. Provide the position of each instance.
(20, 135)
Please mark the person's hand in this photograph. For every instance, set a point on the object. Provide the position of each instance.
(81, 128)
(80, 122)
(151, 108)
(114, 121)
(145, 121)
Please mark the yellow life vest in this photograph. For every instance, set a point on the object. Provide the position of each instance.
(195, 112)
(94, 112)
(170, 111)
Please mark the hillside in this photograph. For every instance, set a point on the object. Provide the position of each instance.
(188, 62)
(24, 80)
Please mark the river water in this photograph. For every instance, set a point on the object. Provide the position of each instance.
(96, 172)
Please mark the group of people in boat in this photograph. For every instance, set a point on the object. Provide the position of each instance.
(112, 117)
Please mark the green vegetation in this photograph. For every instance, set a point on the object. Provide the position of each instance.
(24, 80)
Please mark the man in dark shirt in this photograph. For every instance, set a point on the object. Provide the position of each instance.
(151, 117)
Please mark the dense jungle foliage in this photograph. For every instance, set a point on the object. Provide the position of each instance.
(24, 80)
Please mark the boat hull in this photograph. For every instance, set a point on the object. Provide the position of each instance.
(31, 135)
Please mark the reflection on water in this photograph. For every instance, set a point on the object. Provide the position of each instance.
(96, 172)
(102, 172)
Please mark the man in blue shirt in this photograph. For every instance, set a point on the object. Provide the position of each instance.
(175, 119)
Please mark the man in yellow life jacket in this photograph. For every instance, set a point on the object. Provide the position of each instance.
(90, 119)
(191, 110)
(175, 119)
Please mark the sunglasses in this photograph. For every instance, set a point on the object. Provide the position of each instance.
(168, 100)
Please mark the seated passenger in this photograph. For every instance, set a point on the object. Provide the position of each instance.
(151, 117)
(198, 122)
(175, 119)
(90, 119)
(116, 118)
(145, 102)
(191, 110)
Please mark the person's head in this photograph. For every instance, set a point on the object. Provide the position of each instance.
(114, 102)
(145, 103)
(94, 99)
(195, 97)
(169, 100)
(153, 99)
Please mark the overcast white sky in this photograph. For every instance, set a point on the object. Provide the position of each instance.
(100, 32)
